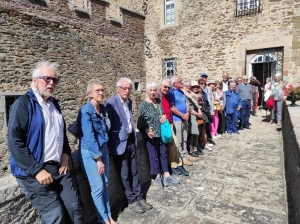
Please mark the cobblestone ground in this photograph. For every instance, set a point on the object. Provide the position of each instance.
(240, 181)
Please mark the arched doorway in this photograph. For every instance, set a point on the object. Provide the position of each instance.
(265, 63)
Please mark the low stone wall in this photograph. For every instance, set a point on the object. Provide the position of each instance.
(291, 140)
(15, 208)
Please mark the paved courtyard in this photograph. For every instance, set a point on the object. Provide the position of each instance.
(241, 181)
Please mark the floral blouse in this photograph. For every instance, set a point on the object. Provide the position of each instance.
(149, 116)
(277, 91)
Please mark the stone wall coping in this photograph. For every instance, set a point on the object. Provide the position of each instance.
(105, 1)
(131, 10)
(295, 119)
(12, 93)
(7, 181)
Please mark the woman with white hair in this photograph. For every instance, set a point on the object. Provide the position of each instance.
(278, 95)
(150, 116)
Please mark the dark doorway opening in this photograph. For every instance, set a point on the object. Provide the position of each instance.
(262, 71)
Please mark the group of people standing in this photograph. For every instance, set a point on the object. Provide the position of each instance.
(198, 112)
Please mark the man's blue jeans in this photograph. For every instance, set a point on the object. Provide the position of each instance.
(245, 113)
(98, 183)
(231, 121)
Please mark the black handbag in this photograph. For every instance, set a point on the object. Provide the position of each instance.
(75, 129)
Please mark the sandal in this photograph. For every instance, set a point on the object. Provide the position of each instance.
(279, 123)
(271, 122)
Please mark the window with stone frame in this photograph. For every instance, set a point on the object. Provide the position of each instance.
(82, 6)
(169, 11)
(169, 67)
(247, 7)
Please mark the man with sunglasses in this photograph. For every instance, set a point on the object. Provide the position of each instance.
(180, 115)
(122, 143)
(173, 155)
(40, 151)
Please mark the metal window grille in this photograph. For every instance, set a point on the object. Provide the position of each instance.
(9, 100)
(169, 13)
(247, 7)
(272, 59)
(169, 68)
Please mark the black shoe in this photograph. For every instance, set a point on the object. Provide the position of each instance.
(241, 128)
(211, 141)
(249, 123)
(199, 153)
(137, 207)
(176, 171)
(145, 204)
(254, 115)
(194, 154)
(247, 127)
(183, 171)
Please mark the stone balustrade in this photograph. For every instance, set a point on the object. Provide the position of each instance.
(291, 140)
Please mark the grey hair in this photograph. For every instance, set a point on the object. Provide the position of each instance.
(186, 83)
(269, 79)
(151, 84)
(224, 73)
(278, 74)
(92, 82)
(232, 83)
(174, 79)
(37, 70)
(162, 81)
(124, 79)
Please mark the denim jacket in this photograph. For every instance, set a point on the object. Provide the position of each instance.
(94, 129)
(233, 101)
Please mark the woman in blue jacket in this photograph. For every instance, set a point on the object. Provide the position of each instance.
(93, 151)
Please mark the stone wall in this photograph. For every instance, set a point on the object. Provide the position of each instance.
(291, 142)
(207, 37)
(84, 45)
(15, 208)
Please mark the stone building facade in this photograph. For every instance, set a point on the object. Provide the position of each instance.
(254, 37)
(84, 39)
(106, 38)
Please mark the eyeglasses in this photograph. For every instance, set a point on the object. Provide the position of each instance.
(195, 86)
(167, 87)
(201, 84)
(99, 90)
(125, 88)
(245, 79)
(47, 79)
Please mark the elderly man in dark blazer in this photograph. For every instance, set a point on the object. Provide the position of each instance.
(122, 143)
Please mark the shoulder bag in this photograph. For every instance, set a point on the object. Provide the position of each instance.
(165, 130)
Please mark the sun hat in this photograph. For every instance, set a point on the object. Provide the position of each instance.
(194, 83)
(212, 81)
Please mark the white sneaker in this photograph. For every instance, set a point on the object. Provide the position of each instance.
(210, 145)
(209, 149)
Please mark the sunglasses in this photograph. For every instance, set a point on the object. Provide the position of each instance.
(195, 86)
(167, 87)
(125, 88)
(47, 79)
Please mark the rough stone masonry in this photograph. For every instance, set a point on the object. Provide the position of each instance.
(86, 44)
